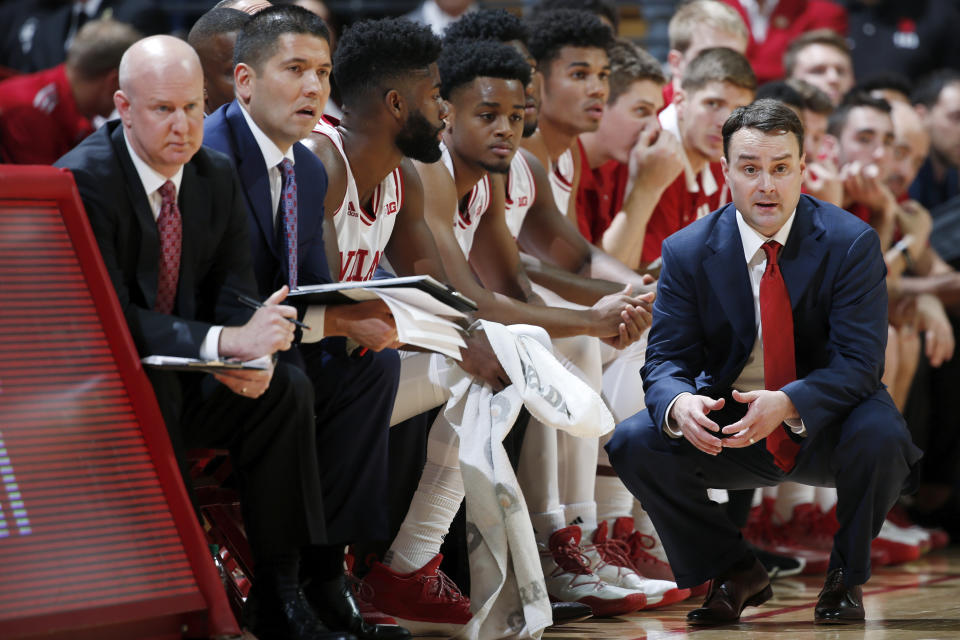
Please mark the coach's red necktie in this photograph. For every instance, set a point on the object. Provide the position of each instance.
(288, 201)
(171, 236)
(779, 361)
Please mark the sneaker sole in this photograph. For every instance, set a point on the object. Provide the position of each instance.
(672, 596)
(611, 608)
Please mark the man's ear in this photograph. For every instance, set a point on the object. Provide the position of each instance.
(396, 105)
(122, 102)
(725, 167)
(243, 77)
(923, 112)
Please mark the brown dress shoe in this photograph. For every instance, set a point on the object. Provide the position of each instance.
(730, 593)
(838, 603)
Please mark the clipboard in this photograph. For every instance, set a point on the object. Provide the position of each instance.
(351, 292)
(176, 363)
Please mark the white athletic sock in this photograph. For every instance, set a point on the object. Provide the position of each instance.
(614, 500)
(789, 495)
(432, 509)
(544, 524)
(826, 498)
(584, 515)
(434, 504)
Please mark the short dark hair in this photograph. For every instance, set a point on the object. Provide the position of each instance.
(466, 60)
(781, 91)
(99, 46)
(718, 64)
(827, 37)
(257, 41)
(814, 98)
(487, 24)
(766, 115)
(550, 31)
(854, 98)
(372, 52)
(628, 64)
(928, 90)
(216, 22)
(600, 8)
(887, 81)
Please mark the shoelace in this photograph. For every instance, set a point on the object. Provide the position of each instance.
(569, 558)
(639, 543)
(444, 586)
(361, 590)
(615, 553)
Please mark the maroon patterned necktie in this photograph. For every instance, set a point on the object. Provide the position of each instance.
(171, 236)
(288, 199)
(779, 359)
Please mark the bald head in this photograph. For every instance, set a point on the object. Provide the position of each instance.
(910, 148)
(158, 57)
(160, 102)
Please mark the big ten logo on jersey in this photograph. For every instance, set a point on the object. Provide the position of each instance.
(391, 207)
(13, 512)
(524, 201)
(354, 266)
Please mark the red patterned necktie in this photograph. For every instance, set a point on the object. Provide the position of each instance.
(171, 236)
(779, 360)
(289, 201)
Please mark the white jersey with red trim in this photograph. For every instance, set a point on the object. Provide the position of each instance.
(561, 180)
(467, 216)
(363, 235)
(521, 193)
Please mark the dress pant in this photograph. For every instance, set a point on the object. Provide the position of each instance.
(354, 399)
(868, 457)
(272, 445)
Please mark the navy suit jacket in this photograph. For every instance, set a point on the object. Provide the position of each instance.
(226, 131)
(703, 318)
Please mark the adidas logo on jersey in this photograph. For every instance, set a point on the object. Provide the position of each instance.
(351, 210)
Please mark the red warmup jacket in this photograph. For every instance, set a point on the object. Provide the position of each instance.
(788, 20)
(39, 121)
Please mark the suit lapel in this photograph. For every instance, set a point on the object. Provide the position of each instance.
(148, 256)
(253, 175)
(804, 251)
(727, 272)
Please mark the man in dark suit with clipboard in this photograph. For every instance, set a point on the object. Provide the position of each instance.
(171, 226)
(281, 76)
(763, 366)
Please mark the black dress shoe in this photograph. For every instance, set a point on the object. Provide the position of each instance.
(336, 607)
(270, 617)
(838, 603)
(730, 593)
(567, 612)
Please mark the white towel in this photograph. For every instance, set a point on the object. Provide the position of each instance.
(508, 595)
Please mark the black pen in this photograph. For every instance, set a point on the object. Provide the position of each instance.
(254, 304)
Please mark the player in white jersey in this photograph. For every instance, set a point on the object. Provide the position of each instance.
(482, 136)
(469, 208)
(391, 109)
(362, 232)
(560, 258)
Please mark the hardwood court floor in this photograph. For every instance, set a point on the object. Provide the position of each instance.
(920, 600)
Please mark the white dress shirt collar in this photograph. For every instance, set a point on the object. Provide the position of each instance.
(150, 178)
(752, 239)
(272, 155)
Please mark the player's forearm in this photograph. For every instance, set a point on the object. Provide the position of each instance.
(571, 286)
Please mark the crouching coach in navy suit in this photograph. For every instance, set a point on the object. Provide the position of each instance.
(763, 366)
(282, 83)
